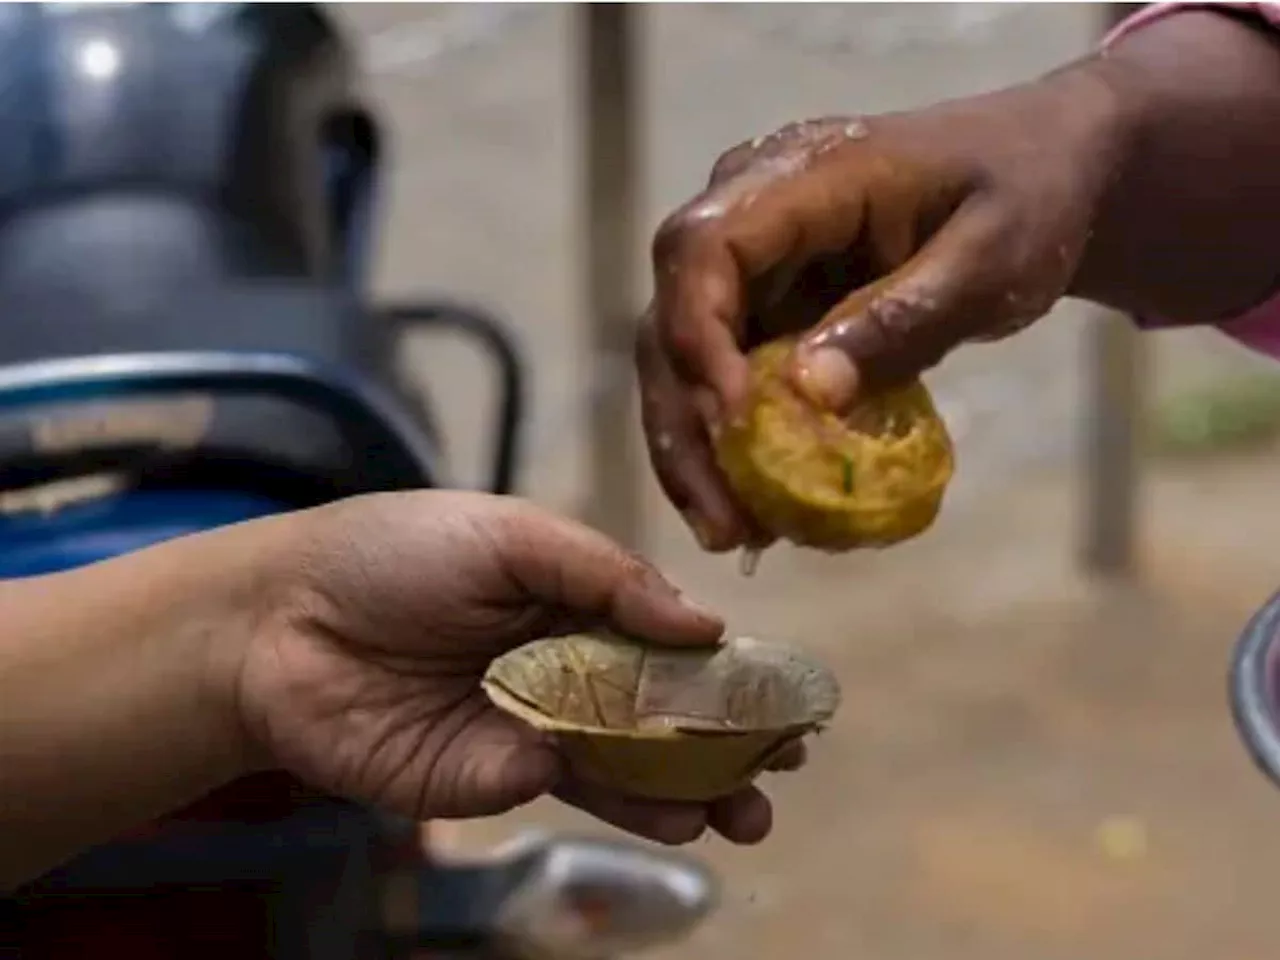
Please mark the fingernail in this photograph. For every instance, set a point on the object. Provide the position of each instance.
(827, 377)
(699, 610)
(660, 581)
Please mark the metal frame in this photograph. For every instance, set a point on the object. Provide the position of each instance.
(496, 341)
(1115, 385)
(1110, 465)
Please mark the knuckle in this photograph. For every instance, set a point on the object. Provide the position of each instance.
(732, 162)
(683, 341)
(895, 318)
(671, 237)
(690, 227)
(897, 338)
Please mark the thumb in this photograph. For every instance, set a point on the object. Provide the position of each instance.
(569, 567)
(890, 331)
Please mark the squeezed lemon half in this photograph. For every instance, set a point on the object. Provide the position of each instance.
(871, 479)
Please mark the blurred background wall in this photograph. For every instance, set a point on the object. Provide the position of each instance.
(484, 197)
(1007, 719)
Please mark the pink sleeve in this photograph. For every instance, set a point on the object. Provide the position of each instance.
(1258, 328)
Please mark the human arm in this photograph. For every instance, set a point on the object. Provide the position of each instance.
(343, 644)
(892, 239)
(114, 703)
(1189, 231)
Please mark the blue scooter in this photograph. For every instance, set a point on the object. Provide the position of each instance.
(186, 191)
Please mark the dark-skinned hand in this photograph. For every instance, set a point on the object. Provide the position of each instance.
(887, 240)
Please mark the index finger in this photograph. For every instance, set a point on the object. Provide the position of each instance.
(765, 221)
(700, 301)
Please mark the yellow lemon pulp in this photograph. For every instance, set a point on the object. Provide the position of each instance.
(871, 479)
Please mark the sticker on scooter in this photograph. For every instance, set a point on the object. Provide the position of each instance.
(174, 424)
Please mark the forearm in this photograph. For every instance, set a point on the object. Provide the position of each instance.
(1189, 229)
(116, 697)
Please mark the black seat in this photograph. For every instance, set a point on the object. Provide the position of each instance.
(130, 273)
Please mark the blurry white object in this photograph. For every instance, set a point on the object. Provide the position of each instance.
(590, 899)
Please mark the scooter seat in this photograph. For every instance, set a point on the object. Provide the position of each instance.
(218, 437)
(129, 273)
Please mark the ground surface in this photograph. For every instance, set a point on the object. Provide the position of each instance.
(998, 709)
